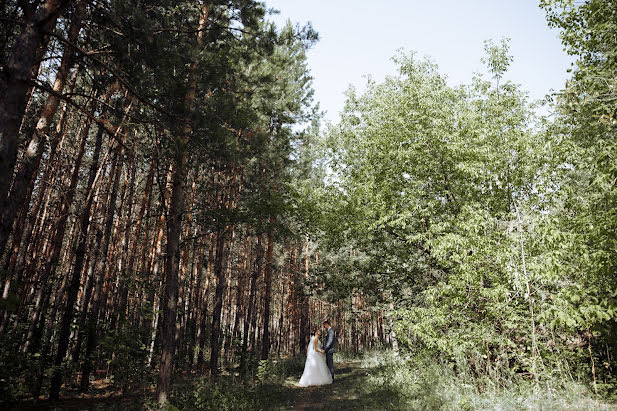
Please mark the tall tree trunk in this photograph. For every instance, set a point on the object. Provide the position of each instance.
(196, 299)
(58, 239)
(265, 347)
(170, 294)
(176, 206)
(26, 217)
(26, 226)
(251, 317)
(182, 293)
(229, 293)
(47, 344)
(124, 277)
(157, 250)
(34, 151)
(73, 286)
(145, 200)
(90, 279)
(305, 310)
(203, 310)
(102, 267)
(240, 294)
(15, 83)
(281, 320)
(219, 278)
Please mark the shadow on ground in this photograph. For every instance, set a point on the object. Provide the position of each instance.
(349, 390)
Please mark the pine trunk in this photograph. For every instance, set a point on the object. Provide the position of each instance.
(14, 88)
(176, 208)
(219, 278)
(73, 288)
(101, 271)
(265, 347)
(34, 151)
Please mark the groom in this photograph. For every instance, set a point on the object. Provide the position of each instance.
(328, 347)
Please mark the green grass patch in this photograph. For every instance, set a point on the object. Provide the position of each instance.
(426, 384)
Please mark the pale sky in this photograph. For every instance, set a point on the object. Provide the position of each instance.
(359, 37)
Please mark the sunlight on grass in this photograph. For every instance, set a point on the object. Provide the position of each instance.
(377, 380)
(423, 383)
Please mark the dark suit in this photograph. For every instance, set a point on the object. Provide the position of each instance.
(328, 347)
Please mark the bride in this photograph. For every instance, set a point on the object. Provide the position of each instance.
(316, 371)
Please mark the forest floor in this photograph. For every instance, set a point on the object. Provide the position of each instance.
(101, 396)
(343, 394)
(376, 382)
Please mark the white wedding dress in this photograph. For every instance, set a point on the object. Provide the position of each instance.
(316, 371)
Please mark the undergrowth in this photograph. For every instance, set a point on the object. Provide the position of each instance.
(418, 382)
(424, 383)
(263, 390)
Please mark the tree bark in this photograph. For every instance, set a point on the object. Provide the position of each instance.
(203, 309)
(265, 347)
(15, 82)
(157, 250)
(58, 238)
(145, 200)
(176, 207)
(170, 294)
(251, 318)
(32, 156)
(305, 310)
(102, 267)
(219, 277)
(73, 287)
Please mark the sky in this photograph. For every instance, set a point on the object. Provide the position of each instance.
(358, 38)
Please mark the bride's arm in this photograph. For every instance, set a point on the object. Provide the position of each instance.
(315, 341)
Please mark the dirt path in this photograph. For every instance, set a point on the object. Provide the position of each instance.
(341, 395)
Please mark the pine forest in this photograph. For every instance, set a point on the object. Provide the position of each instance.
(178, 218)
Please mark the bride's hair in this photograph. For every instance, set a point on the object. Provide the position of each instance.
(317, 332)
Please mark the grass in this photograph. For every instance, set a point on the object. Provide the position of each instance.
(374, 381)
(266, 389)
(379, 381)
(424, 383)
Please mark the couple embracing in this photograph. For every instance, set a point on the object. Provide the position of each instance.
(319, 365)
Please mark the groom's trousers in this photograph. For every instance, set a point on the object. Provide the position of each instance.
(330, 362)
